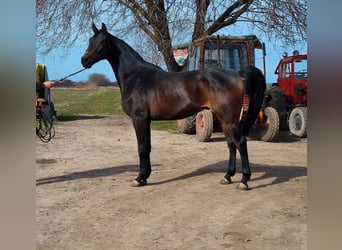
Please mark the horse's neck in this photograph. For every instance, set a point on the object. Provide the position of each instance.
(123, 59)
(125, 62)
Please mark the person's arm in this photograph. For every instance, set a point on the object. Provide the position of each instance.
(48, 84)
(41, 85)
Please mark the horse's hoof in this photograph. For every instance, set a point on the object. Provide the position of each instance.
(225, 181)
(136, 183)
(242, 186)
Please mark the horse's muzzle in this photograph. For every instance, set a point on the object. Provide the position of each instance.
(86, 62)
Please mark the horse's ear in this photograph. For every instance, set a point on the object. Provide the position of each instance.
(104, 28)
(94, 28)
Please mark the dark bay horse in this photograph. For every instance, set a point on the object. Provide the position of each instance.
(150, 93)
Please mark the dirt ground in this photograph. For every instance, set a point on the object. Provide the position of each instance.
(84, 199)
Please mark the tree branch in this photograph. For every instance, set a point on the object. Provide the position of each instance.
(201, 13)
(229, 16)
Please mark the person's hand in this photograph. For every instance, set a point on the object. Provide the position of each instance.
(48, 84)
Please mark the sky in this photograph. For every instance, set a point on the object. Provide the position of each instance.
(60, 65)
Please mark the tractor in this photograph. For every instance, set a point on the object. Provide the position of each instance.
(227, 52)
(289, 96)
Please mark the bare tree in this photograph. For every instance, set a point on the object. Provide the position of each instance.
(167, 22)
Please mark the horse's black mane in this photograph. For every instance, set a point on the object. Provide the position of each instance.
(129, 51)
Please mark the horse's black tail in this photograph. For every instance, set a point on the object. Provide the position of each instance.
(255, 84)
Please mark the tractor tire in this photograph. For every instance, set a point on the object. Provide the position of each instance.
(269, 128)
(278, 101)
(298, 122)
(187, 125)
(204, 125)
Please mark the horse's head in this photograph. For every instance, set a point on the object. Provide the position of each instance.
(98, 47)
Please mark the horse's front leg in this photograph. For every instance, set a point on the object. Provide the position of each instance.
(232, 162)
(143, 134)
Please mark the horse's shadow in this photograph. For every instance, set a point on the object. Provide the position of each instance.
(282, 137)
(279, 174)
(94, 173)
(66, 118)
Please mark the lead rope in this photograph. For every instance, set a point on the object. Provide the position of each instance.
(62, 79)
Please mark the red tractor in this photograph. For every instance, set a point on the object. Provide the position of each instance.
(289, 97)
(230, 52)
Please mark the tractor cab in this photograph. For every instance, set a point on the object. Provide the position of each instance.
(227, 52)
(292, 77)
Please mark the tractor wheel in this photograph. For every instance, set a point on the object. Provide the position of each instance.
(187, 125)
(298, 122)
(204, 125)
(267, 129)
(278, 101)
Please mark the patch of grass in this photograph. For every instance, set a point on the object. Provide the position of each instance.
(169, 126)
(71, 103)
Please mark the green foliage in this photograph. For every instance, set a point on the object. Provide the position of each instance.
(71, 103)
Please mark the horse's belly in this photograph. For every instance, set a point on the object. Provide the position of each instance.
(173, 111)
(173, 106)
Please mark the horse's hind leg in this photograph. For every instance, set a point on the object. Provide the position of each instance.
(236, 141)
(231, 163)
(246, 171)
(143, 134)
